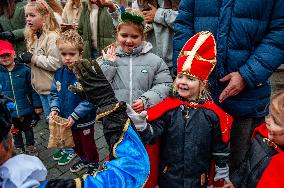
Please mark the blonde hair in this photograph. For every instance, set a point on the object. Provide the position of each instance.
(71, 36)
(277, 106)
(71, 3)
(55, 6)
(50, 22)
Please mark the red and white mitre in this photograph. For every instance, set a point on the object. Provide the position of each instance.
(198, 56)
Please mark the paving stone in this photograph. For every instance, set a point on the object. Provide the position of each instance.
(103, 153)
(68, 175)
(101, 142)
(46, 153)
(53, 173)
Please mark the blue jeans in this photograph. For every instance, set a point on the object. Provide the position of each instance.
(45, 101)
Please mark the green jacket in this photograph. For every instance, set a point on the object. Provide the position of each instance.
(105, 30)
(16, 24)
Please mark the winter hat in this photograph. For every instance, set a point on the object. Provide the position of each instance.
(6, 47)
(198, 56)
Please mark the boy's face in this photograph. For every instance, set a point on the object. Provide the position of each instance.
(187, 86)
(7, 60)
(69, 54)
(275, 126)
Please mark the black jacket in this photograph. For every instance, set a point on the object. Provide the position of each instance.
(254, 164)
(191, 138)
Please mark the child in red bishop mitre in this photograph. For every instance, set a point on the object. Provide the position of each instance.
(194, 131)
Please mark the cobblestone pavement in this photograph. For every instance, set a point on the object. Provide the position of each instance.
(41, 133)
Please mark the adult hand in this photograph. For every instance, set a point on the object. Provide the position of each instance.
(109, 54)
(70, 122)
(25, 57)
(7, 35)
(107, 3)
(235, 86)
(138, 105)
(150, 15)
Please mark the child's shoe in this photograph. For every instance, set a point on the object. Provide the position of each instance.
(58, 154)
(31, 150)
(78, 166)
(19, 150)
(66, 158)
(92, 168)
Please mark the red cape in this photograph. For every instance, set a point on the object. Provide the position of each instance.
(273, 175)
(171, 103)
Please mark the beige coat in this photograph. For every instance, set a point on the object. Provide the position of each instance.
(71, 14)
(45, 61)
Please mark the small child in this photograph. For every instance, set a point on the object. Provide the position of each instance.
(138, 77)
(15, 79)
(263, 165)
(80, 113)
(194, 130)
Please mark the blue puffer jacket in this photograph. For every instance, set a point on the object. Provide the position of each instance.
(250, 39)
(17, 85)
(68, 103)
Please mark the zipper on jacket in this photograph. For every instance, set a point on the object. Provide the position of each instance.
(15, 101)
(130, 82)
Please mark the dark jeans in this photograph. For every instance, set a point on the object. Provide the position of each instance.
(21, 125)
(85, 146)
(240, 142)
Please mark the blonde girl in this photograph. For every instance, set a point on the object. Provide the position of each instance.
(137, 76)
(41, 33)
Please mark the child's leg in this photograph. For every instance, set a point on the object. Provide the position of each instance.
(90, 150)
(89, 145)
(45, 104)
(29, 135)
(17, 136)
(82, 163)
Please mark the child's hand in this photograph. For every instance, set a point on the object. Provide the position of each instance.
(53, 113)
(228, 185)
(70, 122)
(138, 105)
(38, 110)
(109, 54)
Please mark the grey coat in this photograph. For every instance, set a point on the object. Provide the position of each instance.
(141, 74)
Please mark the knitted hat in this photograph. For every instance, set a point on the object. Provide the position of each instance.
(198, 56)
(6, 48)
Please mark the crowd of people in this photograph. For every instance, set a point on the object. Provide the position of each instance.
(180, 86)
